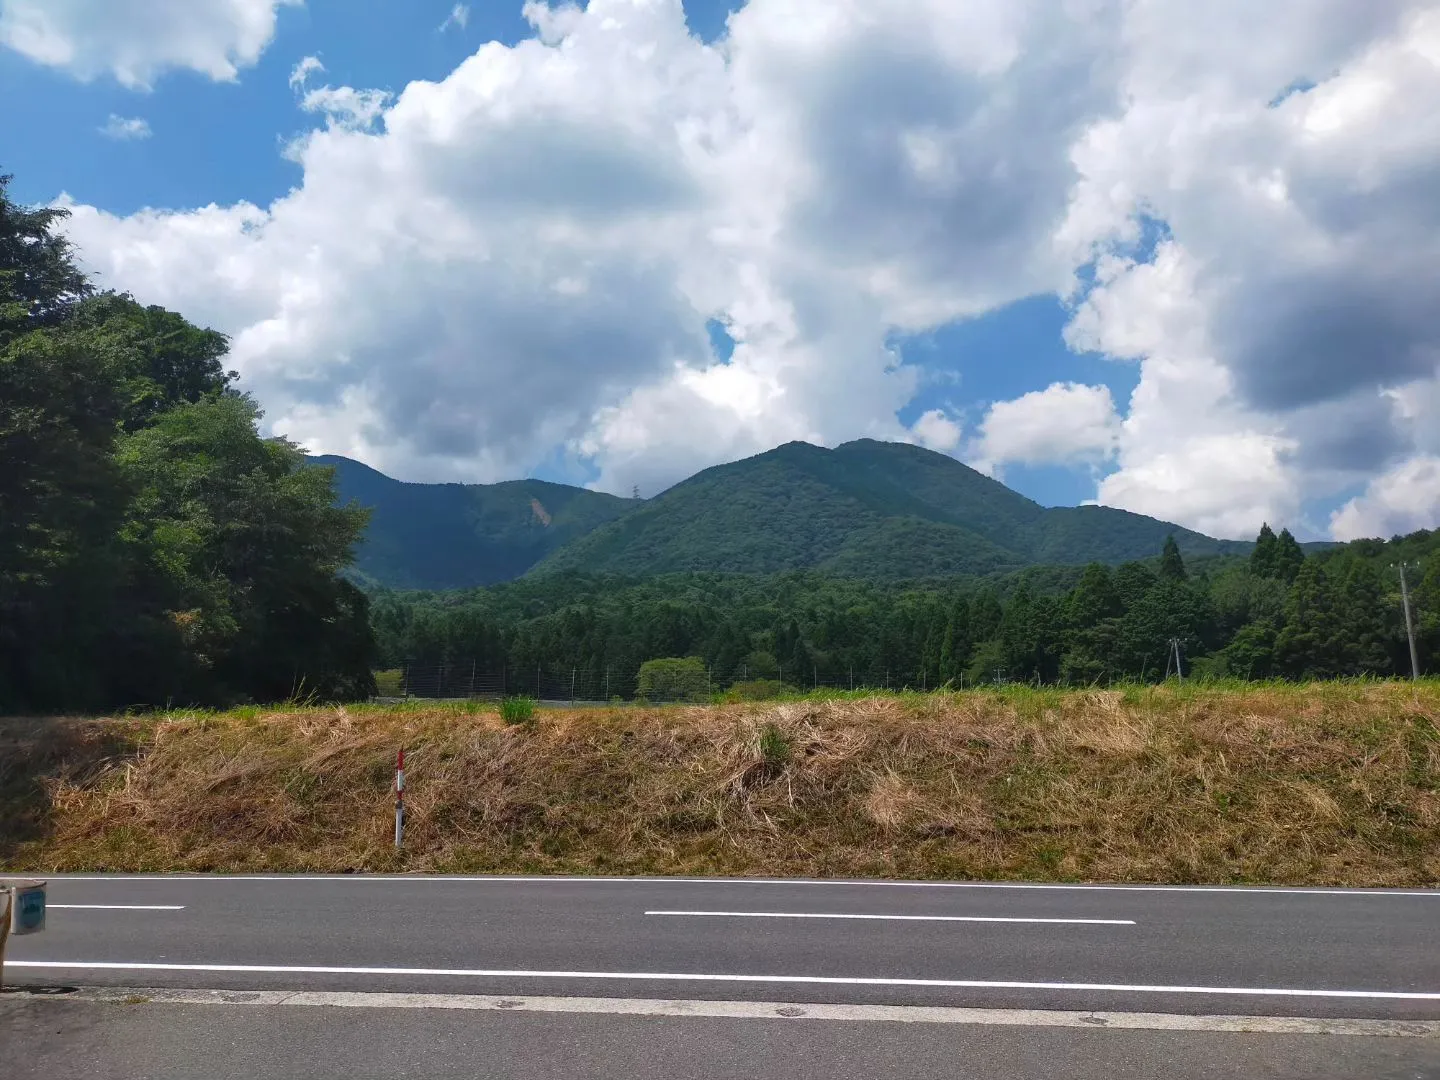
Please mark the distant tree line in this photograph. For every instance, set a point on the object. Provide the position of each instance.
(153, 547)
(1276, 614)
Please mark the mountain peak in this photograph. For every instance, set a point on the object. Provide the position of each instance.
(867, 508)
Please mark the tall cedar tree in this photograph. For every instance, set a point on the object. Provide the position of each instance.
(1288, 556)
(1172, 566)
(1263, 557)
(1307, 647)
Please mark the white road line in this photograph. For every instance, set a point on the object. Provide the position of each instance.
(757, 1010)
(656, 976)
(439, 879)
(896, 918)
(116, 907)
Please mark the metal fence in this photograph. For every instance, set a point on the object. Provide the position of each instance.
(466, 680)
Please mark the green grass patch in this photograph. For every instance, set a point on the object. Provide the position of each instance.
(515, 711)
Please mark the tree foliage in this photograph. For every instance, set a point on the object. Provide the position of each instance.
(1340, 616)
(673, 679)
(153, 547)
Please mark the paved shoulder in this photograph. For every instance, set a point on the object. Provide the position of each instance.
(108, 1040)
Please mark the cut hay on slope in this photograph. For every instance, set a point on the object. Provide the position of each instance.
(1334, 784)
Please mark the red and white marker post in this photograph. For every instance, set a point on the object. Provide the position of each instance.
(400, 798)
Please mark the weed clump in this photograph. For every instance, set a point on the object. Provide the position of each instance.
(774, 746)
(517, 711)
(757, 690)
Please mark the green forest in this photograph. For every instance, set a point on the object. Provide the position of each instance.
(1278, 613)
(156, 550)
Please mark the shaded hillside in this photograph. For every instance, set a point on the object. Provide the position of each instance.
(449, 536)
(867, 509)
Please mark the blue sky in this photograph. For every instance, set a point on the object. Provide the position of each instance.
(1256, 418)
(220, 142)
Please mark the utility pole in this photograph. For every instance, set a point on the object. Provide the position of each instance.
(1173, 656)
(1409, 623)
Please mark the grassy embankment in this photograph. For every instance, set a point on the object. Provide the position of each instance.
(1334, 784)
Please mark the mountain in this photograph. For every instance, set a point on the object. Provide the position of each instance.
(865, 509)
(453, 536)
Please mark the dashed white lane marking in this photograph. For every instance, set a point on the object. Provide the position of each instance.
(895, 918)
(115, 907)
(760, 1010)
(690, 976)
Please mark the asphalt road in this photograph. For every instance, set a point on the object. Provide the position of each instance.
(1176, 950)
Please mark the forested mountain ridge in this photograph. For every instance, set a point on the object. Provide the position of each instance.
(867, 509)
(883, 511)
(453, 536)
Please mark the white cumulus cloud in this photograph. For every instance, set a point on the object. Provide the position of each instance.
(342, 106)
(301, 72)
(1066, 423)
(521, 259)
(346, 107)
(530, 252)
(138, 40)
(937, 430)
(126, 129)
(1398, 501)
(1218, 484)
(1296, 284)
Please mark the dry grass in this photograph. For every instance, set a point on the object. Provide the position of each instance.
(1334, 784)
